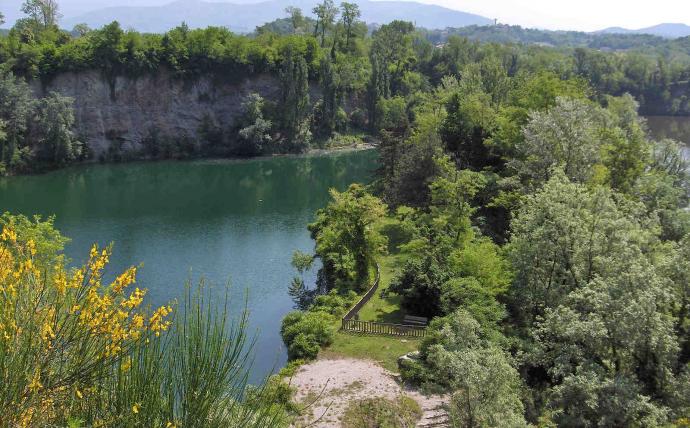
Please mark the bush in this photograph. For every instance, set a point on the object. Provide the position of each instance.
(76, 350)
(304, 347)
(380, 412)
(305, 332)
(334, 303)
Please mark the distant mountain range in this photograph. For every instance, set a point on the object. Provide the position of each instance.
(671, 31)
(244, 17)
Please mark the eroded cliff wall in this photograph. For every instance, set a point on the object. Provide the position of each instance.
(127, 109)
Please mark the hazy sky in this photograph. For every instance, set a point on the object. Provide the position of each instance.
(585, 15)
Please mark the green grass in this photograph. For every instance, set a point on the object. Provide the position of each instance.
(384, 309)
(382, 349)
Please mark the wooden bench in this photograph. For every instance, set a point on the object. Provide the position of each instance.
(412, 320)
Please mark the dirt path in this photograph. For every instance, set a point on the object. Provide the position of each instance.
(339, 381)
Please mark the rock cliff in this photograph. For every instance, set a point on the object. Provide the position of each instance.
(127, 109)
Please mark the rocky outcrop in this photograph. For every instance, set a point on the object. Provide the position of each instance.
(127, 109)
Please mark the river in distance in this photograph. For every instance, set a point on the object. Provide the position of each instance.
(224, 221)
(675, 127)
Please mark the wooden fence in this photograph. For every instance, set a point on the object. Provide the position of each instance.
(379, 328)
(370, 327)
(365, 299)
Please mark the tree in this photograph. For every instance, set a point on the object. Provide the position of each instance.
(566, 136)
(294, 98)
(326, 13)
(563, 237)
(254, 130)
(349, 13)
(346, 239)
(485, 388)
(81, 29)
(2, 18)
(43, 12)
(57, 143)
(585, 261)
(391, 53)
(330, 105)
(605, 364)
(470, 122)
(296, 18)
(452, 194)
(626, 149)
(16, 108)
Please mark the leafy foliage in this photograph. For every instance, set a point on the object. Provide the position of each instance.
(346, 240)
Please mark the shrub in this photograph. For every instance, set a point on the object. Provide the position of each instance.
(380, 412)
(305, 332)
(77, 351)
(334, 303)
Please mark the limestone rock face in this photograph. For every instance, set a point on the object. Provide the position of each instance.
(127, 109)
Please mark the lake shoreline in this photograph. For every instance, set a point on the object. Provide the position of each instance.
(315, 152)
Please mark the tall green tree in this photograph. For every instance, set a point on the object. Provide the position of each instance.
(16, 108)
(390, 55)
(346, 240)
(349, 13)
(44, 12)
(326, 13)
(296, 18)
(330, 88)
(54, 123)
(566, 136)
(485, 387)
(294, 99)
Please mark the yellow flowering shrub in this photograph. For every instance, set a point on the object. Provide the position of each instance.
(62, 331)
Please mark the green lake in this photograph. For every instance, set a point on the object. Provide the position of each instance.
(675, 127)
(224, 221)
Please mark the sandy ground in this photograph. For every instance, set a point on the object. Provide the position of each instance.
(330, 384)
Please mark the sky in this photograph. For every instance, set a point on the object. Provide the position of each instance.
(584, 15)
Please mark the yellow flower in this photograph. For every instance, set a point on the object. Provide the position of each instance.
(35, 384)
(135, 299)
(157, 323)
(135, 409)
(125, 279)
(47, 332)
(8, 235)
(78, 394)
(31, 245)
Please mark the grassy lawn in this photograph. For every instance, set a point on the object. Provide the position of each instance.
(384, 309)
(383, 349)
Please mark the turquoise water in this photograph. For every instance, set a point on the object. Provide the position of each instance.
(236, 221)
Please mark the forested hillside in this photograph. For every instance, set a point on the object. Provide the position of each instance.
(331, 77)
(540, 229)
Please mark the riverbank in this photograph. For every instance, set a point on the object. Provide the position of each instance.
(353, 144)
